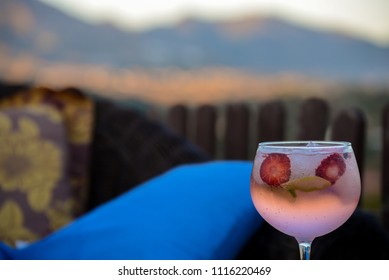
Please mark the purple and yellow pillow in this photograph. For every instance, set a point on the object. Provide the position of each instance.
(45, 138)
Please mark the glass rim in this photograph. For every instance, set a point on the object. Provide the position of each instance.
(296, 145)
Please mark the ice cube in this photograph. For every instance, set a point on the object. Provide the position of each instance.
(312, 144)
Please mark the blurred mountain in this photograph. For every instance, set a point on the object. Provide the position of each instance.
(263, 45)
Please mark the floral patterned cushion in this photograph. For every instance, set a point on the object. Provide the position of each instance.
(60, 123)
(35, 195)
(77, 111)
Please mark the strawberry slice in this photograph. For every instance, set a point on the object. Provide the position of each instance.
(331, 168)
(275, 169)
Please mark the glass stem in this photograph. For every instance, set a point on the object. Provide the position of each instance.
(305, 250)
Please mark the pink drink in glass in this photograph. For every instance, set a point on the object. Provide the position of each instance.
(318, 191)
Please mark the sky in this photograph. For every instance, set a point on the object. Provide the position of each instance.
(364, 18)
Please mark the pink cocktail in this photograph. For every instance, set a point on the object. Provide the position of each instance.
(305, 189)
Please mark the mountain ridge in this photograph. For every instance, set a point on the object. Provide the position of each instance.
(257, 44)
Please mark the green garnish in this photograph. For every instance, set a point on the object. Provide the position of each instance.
(306, 184)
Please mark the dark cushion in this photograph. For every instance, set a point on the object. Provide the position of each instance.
(129, 148)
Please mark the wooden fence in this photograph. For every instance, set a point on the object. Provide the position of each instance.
(234, 131)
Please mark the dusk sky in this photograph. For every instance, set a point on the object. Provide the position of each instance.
(365, 18)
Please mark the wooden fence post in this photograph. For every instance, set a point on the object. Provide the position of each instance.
(205, 136)
(271, 121)
(385, 167)
(313, 119)
(237, 132)
(177, 119)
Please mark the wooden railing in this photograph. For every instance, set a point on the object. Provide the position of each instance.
(234, 131)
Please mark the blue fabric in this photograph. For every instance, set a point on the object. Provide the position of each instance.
(2, 252)
(196, 211)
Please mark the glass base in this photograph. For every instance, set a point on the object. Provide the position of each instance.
(305, 250)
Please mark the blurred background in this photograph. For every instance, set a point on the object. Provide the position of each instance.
(195, 52)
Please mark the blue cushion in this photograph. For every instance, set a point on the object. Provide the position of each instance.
(195, 211)
(2, 252)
